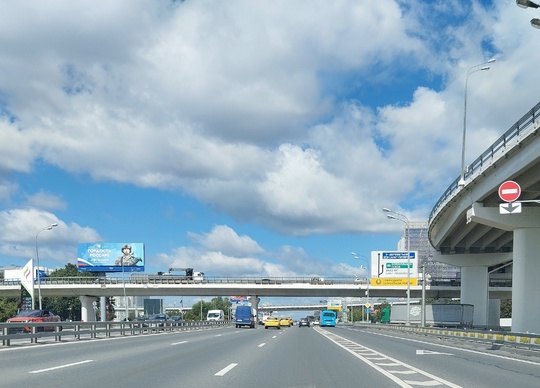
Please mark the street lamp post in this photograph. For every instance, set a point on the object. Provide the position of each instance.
(403, 218)
(423, 324)
(472, 70)
(37, 259)
(368, 264)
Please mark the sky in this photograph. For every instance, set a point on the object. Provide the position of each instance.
(246, 138)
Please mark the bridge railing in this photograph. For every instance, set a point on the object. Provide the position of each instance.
(171, 279)
(32, 332)
(361, 282)
(511, 138)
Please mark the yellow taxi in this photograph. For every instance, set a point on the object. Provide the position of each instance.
(272, 322)
(284, 321)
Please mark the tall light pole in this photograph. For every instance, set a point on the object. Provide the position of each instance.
(38, 271)
(368, 267)
(403, 218)
(472, 70)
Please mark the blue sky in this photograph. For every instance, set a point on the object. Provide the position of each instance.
(246, 138)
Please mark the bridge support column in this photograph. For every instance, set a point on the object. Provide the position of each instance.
(474, 290)
(494, 313)
(525, 284)
(87, 308)
(255, 307)
(103, 308)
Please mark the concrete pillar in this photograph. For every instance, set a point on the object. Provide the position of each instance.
(103, 308)
(525, 284)
(255, 307)
(87, 308)
(474, 290)
(494, 314)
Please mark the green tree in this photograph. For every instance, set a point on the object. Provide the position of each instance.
(8, 308)
(506, 308)
(68, 308)
(200, 309)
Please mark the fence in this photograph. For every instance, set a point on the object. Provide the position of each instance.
(34, 332)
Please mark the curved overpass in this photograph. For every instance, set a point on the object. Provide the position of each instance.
(467, 227)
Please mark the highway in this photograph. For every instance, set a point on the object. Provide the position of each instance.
(344, 356)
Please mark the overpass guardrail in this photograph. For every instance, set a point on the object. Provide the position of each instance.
(527, 125)
(165, 279)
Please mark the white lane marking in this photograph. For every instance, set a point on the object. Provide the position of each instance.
(420, 352)
(274, 336)
(178, 343)
(424, 383)
(345, 343)
(261, 345)
(61, 366)
(218, 335)
(461, 349)
(225, 370)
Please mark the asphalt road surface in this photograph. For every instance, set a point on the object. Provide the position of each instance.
(344, 356)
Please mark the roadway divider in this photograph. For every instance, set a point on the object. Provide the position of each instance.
(14, 334)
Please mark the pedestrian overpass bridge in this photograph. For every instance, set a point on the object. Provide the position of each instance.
(89, 289)
(468, 229)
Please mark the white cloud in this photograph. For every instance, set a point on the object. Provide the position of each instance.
(261, 110)
(225, 240)
(24, 226)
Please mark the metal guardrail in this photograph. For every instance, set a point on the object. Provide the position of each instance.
(62, 331)
(525, 126)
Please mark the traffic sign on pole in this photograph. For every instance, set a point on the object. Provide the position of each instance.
(509, 191)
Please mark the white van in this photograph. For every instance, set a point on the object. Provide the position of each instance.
(215, 315)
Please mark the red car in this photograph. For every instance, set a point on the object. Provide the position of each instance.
(25, 316)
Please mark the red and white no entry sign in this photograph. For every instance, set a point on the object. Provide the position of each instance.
(509, 191)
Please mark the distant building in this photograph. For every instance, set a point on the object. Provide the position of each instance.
(418, 232)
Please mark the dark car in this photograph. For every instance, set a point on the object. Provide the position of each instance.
(161, 318)
(303, 322)
(27, 316)
(141, 321)
(177, 320)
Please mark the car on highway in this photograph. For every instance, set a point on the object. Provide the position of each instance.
(28, 316)
(160, 318)
(284, 321)
(141, 319)
(177, 320)
(272, 322)
(303, 322)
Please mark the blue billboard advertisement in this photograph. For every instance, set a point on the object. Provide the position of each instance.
(110, 257)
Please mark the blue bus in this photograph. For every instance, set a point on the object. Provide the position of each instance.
(328, 318)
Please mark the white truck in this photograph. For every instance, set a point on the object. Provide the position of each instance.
(215, 315)
(442, 315)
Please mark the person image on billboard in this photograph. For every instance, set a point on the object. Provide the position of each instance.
(127, 259)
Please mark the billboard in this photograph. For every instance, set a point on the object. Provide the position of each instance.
(110, 257)
(391, 268)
